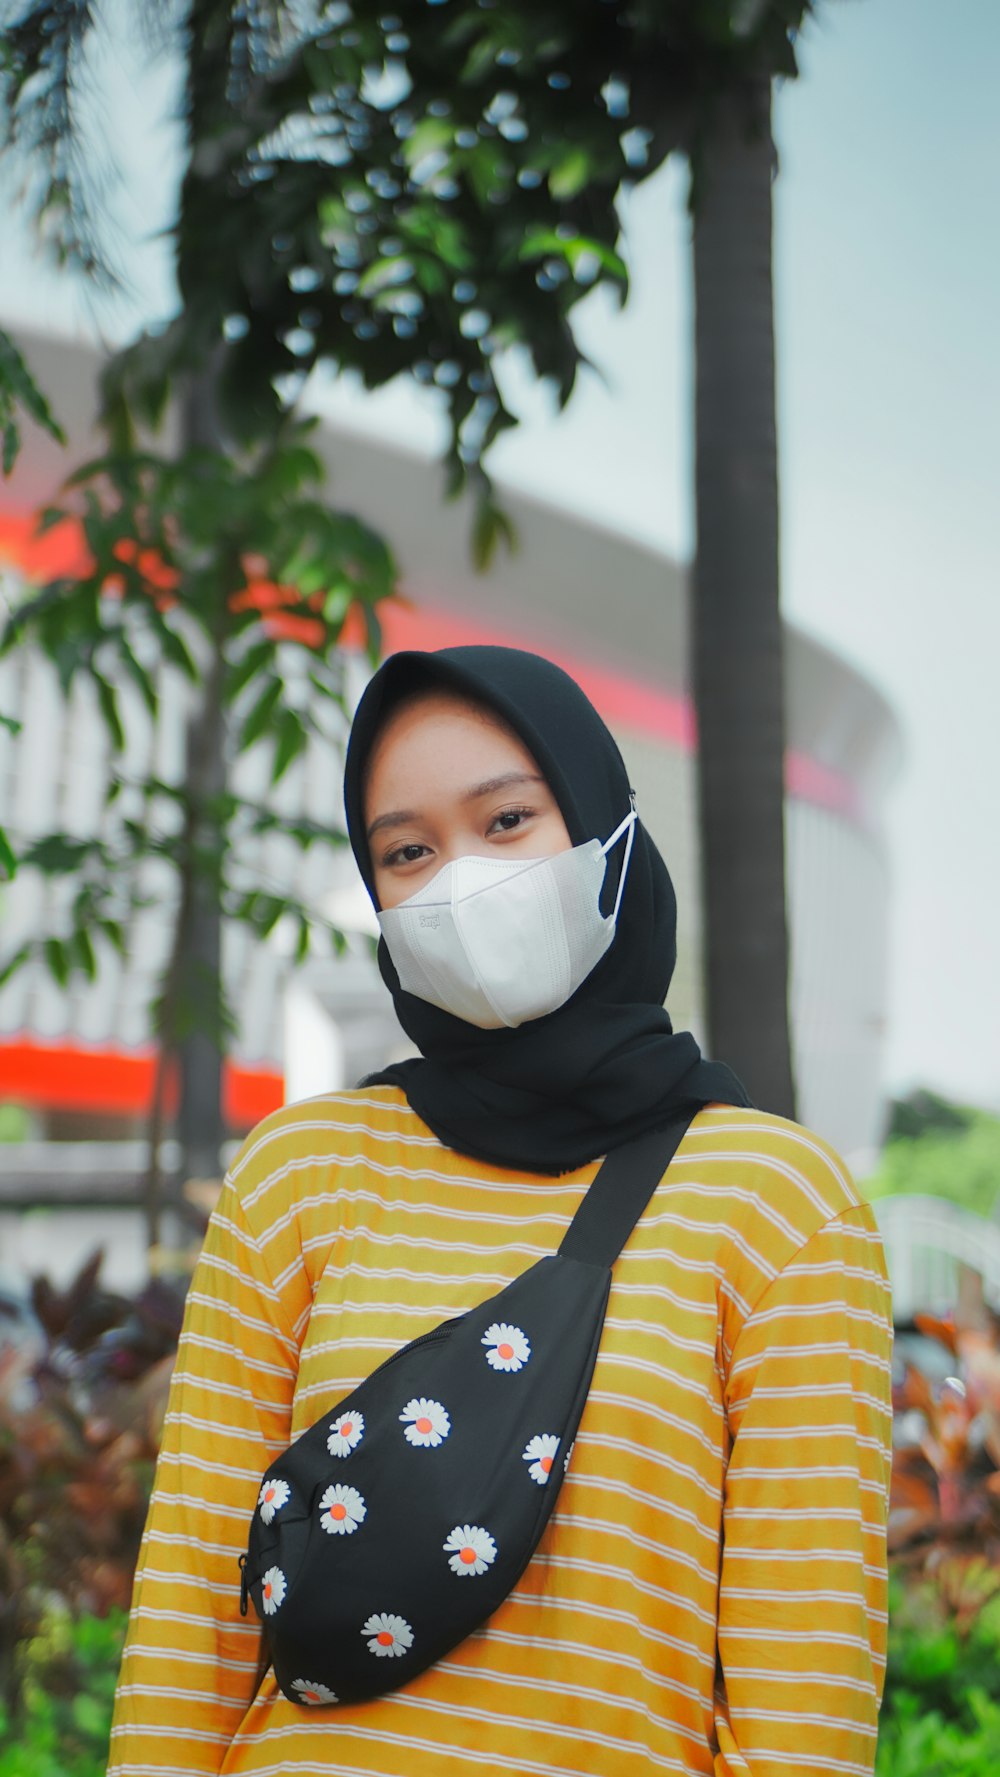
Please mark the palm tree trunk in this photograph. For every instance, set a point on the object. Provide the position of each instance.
(199, 1119)
(736, 624)
(200, 1126)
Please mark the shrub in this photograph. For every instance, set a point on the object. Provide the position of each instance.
(941, 1713)
(15, 1123)
(922, 1111)
(959, 1160)
(67, 1674)
(82, 1396)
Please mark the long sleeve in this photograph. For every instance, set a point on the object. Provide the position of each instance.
(802, 1615)
(190, 1663)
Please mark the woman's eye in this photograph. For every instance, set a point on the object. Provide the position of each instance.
(404, 854)
(510, 819)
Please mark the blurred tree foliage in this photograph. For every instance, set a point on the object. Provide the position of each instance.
(962, 1164)
(924, 1112)
(20, 398)
(213, 569)
(405, 189)
(418, 188)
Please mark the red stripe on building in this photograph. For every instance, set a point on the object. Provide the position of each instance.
(119, 1082)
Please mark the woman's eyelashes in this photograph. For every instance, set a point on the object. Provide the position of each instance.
(410, 853)
(415, 851)
(509, 820)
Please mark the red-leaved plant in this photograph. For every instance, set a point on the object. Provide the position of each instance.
(83, 1386)
(944, 1521)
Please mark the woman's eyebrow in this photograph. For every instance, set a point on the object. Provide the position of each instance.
(490, 785)
(400, 817)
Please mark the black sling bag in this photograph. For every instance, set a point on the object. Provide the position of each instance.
(396, 1525)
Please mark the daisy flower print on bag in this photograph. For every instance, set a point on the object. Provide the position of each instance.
(426, 1422)
(346, 1433)
(273, 1589)
(472, 1549)
(389, 1635)
(507, 1347)
(273, 1496)
(341, 1510)
(540, 1452)
(307, 1692)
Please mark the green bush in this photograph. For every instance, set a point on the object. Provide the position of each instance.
(15, 1123)
(67, 1682)
(940, 1716)
(923, 1111)
(941, 1712)
(961, 1163)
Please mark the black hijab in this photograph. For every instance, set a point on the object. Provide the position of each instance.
(560, 1090)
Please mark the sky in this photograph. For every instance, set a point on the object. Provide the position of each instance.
(887, 289)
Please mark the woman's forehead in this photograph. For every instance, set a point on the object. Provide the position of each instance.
(441, 744)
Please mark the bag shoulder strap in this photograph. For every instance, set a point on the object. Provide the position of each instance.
(621, 1189)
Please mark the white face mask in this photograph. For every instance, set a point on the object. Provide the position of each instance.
(497, 942)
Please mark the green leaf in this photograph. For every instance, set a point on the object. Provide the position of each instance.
(291, 741)
(59, 855)
(257, 721)
(82, 952)
(57, 957)
(20, 387)
(114, 931)
(282, 477)
(141, 678)
(178, 653)
(15, 962)
(11, 446)
(253, 662)
(431, 135)
(373, 633)
(10, 723)
(384, 274)
(8, 862)
(89, 1714)
(430, 274)
(263, 912)
(108, 704)
(570, 175)
(481, 61)
(490, 527)
(542, 243)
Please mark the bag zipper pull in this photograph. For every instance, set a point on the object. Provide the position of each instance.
(244, 1586)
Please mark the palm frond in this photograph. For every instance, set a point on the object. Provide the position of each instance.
(44, 80)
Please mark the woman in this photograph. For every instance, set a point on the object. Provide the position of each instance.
(709, 1596)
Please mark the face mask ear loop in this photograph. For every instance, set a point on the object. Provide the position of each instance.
(629, 822)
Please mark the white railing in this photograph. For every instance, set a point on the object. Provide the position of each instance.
(927, 1241)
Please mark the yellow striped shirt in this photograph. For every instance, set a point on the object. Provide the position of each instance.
(710, 1594)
